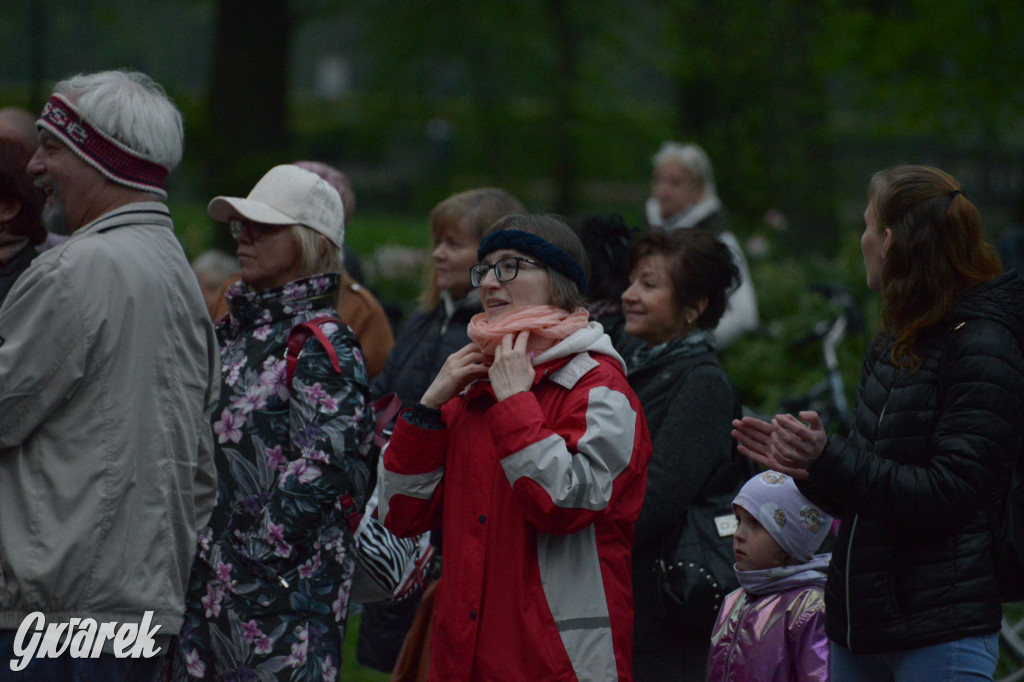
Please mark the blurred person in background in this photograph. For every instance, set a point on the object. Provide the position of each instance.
(353, 266)
(683, 196)
(21, 203)
(607, 239)
(213, 269)
(432, 333)
(354, 303)
(679, 283)
(108, 375)
(922, 479)
(269, 590)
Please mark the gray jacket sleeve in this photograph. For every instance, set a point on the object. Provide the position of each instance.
(205, 492)
(43, 348)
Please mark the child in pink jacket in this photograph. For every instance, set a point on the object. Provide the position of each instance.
(772, 629)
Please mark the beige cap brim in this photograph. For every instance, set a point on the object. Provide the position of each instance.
(222, 209)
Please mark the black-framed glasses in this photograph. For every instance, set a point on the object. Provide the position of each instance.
(257, 231)
(505, 270)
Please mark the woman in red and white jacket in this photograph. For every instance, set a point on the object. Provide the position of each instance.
(531, 450)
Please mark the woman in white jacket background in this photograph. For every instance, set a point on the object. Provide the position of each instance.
(683, 196)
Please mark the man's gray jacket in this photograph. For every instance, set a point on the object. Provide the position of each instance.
(108, 372)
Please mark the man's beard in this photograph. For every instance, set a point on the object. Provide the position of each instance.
(55, 215)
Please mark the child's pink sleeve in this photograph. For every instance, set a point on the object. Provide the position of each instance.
(809, 645)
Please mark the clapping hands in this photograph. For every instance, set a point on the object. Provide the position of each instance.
(786, 444)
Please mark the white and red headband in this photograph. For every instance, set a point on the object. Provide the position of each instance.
(114, 159)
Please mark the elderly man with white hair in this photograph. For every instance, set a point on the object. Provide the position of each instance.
(108, 375)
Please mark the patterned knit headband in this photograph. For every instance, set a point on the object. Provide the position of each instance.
(114, 159)
(541, 249)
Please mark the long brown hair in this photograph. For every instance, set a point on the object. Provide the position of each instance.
(936, 254)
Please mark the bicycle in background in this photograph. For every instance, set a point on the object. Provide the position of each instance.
(828, 396)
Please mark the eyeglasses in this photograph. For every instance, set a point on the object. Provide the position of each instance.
(257, 231)
(505, 270)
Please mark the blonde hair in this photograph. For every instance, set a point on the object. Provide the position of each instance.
(316, 252)
(479, 209)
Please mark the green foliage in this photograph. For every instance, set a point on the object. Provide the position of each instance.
(765, 366)
(394, 249)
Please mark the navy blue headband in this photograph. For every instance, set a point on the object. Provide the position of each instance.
(541, 249)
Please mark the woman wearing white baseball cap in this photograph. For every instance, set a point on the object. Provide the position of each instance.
(268, 593)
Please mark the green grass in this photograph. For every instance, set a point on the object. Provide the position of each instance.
(351, 671)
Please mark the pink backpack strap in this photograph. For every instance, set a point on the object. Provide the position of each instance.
(297, 338)
(385, 409)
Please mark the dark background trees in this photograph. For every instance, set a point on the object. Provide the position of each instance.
(565, 101)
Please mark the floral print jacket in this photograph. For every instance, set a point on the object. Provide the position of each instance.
(275, 565)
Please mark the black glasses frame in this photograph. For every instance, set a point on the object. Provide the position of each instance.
(505, 269)
(257, 231)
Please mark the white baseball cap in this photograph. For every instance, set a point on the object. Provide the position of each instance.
(288, 195)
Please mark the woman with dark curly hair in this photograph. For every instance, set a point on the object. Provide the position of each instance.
(679, 285)
(911, 592)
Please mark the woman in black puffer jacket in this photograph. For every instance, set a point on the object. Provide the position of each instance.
(911, 592)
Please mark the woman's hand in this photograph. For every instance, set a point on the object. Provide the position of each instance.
(754, 438)
(461, 367)
(798, 443)
(511, 372)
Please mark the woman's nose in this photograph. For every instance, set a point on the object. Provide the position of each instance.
(628, 294)
(490, 279)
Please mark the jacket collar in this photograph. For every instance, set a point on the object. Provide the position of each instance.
(591, 339)
(140, 213)
(470, 303)
(688, 217)
(258, 308)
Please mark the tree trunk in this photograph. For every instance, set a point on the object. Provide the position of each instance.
(564, 109)
(248, 90)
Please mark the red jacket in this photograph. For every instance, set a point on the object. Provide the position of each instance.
(538, 495)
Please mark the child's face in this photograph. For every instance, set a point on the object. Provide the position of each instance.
(754, 548)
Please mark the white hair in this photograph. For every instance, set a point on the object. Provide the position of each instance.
(694, 159)
(132, 108)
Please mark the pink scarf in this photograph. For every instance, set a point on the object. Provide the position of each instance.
(547, 326)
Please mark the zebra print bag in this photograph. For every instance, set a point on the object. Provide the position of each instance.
(388, 568)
